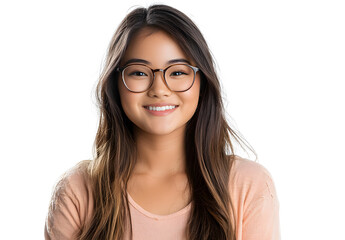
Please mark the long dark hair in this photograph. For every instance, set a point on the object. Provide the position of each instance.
(209, 146)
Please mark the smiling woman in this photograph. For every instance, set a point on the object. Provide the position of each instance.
(164, 164)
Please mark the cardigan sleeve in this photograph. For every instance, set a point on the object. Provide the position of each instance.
(261, 217)
(69, 207)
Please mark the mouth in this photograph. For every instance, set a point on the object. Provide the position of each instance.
(161, 108)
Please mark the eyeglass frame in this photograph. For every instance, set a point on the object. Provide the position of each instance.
(121, 70)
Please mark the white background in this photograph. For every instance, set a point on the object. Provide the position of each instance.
(281, 64)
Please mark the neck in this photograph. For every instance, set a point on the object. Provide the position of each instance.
(160, 155)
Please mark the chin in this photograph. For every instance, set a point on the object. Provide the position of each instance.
(160, 131)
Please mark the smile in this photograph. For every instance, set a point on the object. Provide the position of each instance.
(162, 108)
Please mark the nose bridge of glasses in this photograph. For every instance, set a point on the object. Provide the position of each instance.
(158, 70)
(163, 73)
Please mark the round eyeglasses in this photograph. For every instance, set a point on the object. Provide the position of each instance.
(139, 77)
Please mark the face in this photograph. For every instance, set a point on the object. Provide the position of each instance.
(158, 48)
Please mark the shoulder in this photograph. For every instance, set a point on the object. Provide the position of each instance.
(250, 179)
(254, 200)
(71, 203)
(73, 182)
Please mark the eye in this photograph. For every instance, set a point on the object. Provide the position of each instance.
(179, 73)
(138, 74)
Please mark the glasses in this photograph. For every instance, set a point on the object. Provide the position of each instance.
(139, 77)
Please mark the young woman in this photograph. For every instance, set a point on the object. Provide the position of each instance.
(164, 165)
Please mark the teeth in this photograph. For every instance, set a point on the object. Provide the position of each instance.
(163, 108)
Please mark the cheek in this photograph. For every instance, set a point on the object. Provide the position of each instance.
(192, 96)
(196, 91)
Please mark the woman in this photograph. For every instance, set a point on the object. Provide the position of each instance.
(164, 165)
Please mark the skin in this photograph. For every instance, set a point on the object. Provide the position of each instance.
(159, 181)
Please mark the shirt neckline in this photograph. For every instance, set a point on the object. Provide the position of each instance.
(156, 216)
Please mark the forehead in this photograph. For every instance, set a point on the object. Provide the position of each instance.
(155, 46)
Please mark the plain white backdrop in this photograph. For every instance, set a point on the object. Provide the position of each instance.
(282, 68)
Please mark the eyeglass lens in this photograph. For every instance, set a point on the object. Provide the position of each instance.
(138, 78)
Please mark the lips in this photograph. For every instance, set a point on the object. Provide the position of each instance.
(160, 105)
(160, 109)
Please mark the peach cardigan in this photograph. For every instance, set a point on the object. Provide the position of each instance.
(251, 187)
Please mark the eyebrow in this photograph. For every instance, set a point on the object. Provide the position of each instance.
(138, 60)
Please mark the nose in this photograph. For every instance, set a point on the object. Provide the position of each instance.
(159, 87)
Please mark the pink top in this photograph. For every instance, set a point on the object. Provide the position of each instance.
(251, 189)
